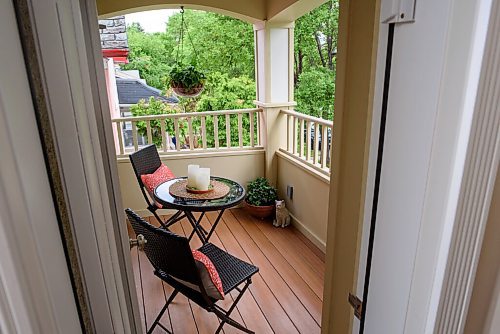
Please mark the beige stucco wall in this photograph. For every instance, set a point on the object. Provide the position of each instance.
(241, 167)
(309, 206)
(484, 309)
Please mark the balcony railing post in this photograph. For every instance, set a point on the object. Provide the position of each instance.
(272, 125)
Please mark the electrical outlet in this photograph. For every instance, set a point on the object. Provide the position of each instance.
(289, 192)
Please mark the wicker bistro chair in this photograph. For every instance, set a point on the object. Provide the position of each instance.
(173, 262)
(146, 161)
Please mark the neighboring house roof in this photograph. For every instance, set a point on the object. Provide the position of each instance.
(131, 91)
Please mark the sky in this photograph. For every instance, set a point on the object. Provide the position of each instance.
(151, 21)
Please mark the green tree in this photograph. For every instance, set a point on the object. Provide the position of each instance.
(316, 36)
(315, 93)
(216, 43)
(149, 54)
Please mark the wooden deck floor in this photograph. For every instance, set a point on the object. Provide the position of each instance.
(285, 296)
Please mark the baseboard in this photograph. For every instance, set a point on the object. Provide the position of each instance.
(308, 234)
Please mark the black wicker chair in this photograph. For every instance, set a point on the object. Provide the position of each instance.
(146, 161)
(171, 256)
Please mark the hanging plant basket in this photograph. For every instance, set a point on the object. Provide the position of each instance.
(186, 80)
(182, 91)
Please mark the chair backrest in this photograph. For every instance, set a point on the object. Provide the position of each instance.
(168, 252)
(145, 161)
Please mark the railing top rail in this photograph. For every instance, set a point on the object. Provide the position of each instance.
(187, 114)
(307, 117)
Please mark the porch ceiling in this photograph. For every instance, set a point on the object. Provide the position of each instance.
(250, 11)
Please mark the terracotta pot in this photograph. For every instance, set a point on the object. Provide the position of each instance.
(260, 212)
(184, 92)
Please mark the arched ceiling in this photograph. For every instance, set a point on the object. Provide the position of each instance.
(251, 11)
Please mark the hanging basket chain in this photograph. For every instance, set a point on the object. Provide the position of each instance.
(184, 31)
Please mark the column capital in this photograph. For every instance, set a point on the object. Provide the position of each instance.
(261, 104)
(261, 25)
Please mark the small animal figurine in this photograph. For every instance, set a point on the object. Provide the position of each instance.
(282, 215)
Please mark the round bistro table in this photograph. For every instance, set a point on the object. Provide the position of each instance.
(186, 206)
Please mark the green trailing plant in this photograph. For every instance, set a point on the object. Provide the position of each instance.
(186, 77)
(157, 107)
(261, 193)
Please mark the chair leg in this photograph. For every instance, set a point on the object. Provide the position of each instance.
(157, 320)
(224, 316)
(162, 223)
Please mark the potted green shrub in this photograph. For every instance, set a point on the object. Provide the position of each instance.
(261, 197)
(187, 81)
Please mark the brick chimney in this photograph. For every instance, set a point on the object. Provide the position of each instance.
(114, 41)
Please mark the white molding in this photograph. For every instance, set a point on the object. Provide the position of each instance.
(481, 166)
(199, 154)
(321, 244)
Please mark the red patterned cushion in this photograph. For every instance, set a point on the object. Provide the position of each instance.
(151, 181)
(162, 174)
(209, 275)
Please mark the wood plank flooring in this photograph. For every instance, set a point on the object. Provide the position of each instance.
(285, 296)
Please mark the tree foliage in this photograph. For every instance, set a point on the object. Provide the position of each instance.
(316, 36)
(223, 49)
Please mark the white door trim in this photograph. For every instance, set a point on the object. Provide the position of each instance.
(36, 295)
(476, 188)
(64, 33)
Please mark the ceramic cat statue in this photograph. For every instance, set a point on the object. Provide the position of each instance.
(282, 215)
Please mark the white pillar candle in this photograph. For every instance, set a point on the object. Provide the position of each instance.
(203, 179)
(192, 173)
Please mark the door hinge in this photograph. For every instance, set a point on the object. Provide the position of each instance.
(356, 304)
(398, 11)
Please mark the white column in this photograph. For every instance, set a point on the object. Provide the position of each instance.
(274, 67)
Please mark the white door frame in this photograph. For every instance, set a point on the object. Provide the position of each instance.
(67, 49)
(36, 295)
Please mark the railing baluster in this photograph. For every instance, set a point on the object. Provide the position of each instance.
(308, 141)
(164, 143)
(216, 131)
(324, 145)
(288, 142)
(119, 133)
(302, 123)
(252, 130)
(258, 129)
(316, 143)
(240, 130)
(177, 134)
(330, 151)
(228, 131)
(148, 131)
(294, 133)
(134, 136)
(203, 132)
(190, 133)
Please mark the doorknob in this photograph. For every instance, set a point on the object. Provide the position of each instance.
(140, 242)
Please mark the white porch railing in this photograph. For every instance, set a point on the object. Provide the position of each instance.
(309, 139)
(206, 131)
